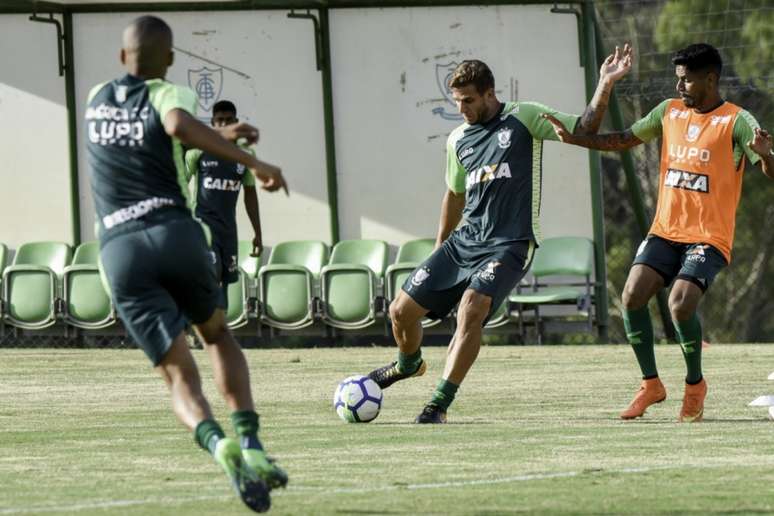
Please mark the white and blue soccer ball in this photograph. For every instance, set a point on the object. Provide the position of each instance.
(358, 399)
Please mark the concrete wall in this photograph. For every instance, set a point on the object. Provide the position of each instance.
(392, 113)
(34, 151)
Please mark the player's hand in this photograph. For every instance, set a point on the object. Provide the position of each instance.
(257, 246)
(617, 64)
(561, 131)
(762, 142)
(270, 177)
(240, 131)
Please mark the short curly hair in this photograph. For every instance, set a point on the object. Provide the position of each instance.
(474, 72)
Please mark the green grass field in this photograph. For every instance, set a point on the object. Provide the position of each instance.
(533, 430)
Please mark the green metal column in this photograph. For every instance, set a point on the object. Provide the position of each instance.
(595, 167)
(72, 128)
(330, 137)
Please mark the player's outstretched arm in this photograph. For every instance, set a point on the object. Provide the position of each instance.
(762, 145)
(616, 66)
(451, 214)
(611, 141)
(194, 134)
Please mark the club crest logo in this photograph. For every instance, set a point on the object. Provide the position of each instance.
(693, 133)
(240, 169)
(207, 83)
(504, 138)
(443, 74)
(420, 276)
(121, 94)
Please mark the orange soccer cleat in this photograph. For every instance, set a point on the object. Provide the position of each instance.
(651, 391)
(693, 402)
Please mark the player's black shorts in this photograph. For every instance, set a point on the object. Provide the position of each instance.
(161, 277)
(697, 263)
(225, 256)
(439, 283)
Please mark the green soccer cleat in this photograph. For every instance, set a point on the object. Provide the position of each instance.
(252, 489)
(265, 467)
(431, 414)
(389, 374)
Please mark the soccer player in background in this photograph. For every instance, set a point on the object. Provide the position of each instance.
(705, 141)
(217, 186)
(155, 255)
(493, 174)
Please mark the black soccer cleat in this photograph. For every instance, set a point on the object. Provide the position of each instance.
(389, 374)
(431, 415)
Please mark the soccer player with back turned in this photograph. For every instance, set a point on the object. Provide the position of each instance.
(155, 255)
(705, 141)
(493, 175)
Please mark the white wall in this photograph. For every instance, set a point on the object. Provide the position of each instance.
(34, 162)
(267, 69)
(390, 144)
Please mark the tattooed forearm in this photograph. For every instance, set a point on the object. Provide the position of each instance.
(609, 142)
(591, 118)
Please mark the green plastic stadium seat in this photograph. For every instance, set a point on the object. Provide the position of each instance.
(349, 283)
(86, 302)
(500, 317)
(410, 255)
(242, 295)
(559, 257)
(286, 283)
(30, 285)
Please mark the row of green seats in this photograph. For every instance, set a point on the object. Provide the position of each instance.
(303, 282)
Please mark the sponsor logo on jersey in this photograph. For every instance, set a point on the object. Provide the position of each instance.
(109, 125)
(487, 173)
(504, 138)
(693, 133)
(420, 276)
(720, 120)
(226, 185)
(687, 153)
(232, 265)
(135, 211)
(687, 180)
(487, 273)
(209, 163)
(675, 113)
(467, 152)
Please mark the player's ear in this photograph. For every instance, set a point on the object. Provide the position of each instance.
(171, 58)
(122, 56)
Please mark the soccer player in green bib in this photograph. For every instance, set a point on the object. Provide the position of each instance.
(493, 174)
(155, 256)
(217, 186)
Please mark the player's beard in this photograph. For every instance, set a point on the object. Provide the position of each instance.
(688, 100)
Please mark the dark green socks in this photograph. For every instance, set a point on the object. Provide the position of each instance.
(444, 394)
(639, 333)
(208, 433)
(408, 364)
(246, 427)
(689, 333)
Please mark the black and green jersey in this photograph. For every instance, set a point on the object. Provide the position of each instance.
(217, 186)
(498, 164)
(136, 168)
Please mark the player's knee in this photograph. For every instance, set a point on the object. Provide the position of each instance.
(400, 314)
(632, 298)
(679, 308)
(213, 330)
(473, 309)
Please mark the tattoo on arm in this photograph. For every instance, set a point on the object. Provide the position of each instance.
(608, 142)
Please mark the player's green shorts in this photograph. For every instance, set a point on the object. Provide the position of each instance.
(697, 263)
(161, 276)
(439, 283)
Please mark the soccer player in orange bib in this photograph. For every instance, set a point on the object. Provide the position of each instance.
(705, 142)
